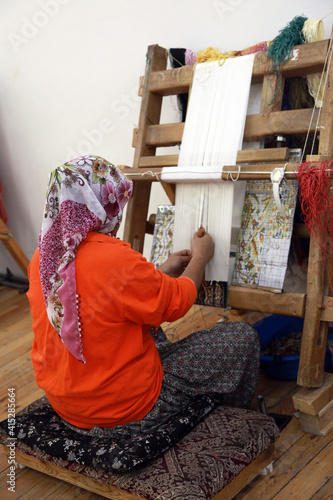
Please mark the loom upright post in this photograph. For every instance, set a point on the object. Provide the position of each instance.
(150, 112)
(314, 337)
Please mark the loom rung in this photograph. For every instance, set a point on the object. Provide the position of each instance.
(243, 156)
(310, 59)
(292, 122)
(230, 172)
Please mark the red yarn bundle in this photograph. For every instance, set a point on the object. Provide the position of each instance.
(316, 199)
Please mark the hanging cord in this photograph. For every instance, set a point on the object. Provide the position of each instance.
(327, 15)
(174, 334)
(325, 84)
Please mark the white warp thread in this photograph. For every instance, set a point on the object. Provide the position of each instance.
(213, 134)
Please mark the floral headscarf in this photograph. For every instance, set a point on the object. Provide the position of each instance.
(86, 194)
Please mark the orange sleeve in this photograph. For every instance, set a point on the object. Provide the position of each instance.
(151, 297)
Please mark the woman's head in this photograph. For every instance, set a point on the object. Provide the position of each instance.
(94, 183)
(83, 195)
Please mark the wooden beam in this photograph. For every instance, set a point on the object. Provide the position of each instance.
(312, 401)
(150, 112)
(251, 471)
(326, 122)
(230, 172)
(159, 161)
(71, 477)
(243, 156)
(305, 59)
(168, 134)
(137, 210)
(289, 304)
(151, 104)
(272, 84)
(314, 336)
(320, 424)
(291, 122)
(262, 155)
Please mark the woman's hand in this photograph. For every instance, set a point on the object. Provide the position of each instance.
(175, 264)
(202, 246)
(202, 252)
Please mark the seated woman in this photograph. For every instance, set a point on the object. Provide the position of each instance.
(97, 304)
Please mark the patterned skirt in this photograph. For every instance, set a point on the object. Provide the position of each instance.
(222, 362)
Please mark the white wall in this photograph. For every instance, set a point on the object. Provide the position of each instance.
(69, 73)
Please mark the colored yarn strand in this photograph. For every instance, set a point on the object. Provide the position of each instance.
(316, 199)
(282, 45)
(213, 54)
(279, 53)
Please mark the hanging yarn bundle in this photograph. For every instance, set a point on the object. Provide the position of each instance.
(3, 213)
(211, 54)
(313, 31)
(316, 199)
(298, 94)
(280, 51)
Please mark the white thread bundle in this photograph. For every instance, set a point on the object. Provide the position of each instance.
(313, 31)
(213, 134)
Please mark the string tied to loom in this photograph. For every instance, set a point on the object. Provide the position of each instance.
(230, 173)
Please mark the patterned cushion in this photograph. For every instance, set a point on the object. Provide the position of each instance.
(198, 466)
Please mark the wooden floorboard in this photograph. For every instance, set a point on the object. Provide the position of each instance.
(303, 467)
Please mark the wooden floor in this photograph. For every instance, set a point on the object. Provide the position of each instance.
(303, 469)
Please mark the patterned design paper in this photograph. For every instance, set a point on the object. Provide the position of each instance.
(163, 233)
(264, 239)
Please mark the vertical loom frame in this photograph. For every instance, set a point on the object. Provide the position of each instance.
(158, 82)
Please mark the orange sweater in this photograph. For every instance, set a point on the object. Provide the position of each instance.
(120, 294)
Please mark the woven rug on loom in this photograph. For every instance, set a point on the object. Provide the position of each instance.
(198, 466)
(213, 134)
(211, 293)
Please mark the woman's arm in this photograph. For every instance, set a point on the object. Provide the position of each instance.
(176, 263)
(191, 263)
(202, 252)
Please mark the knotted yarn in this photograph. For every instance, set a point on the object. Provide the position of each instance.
(316, 199)
(213, 54)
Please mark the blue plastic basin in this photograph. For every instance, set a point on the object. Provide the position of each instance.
(275, 327)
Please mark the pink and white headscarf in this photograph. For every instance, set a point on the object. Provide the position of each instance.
(86, 194)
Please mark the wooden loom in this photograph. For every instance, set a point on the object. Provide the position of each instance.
(315, 307)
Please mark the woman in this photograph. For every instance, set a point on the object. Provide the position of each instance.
(96, 305)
